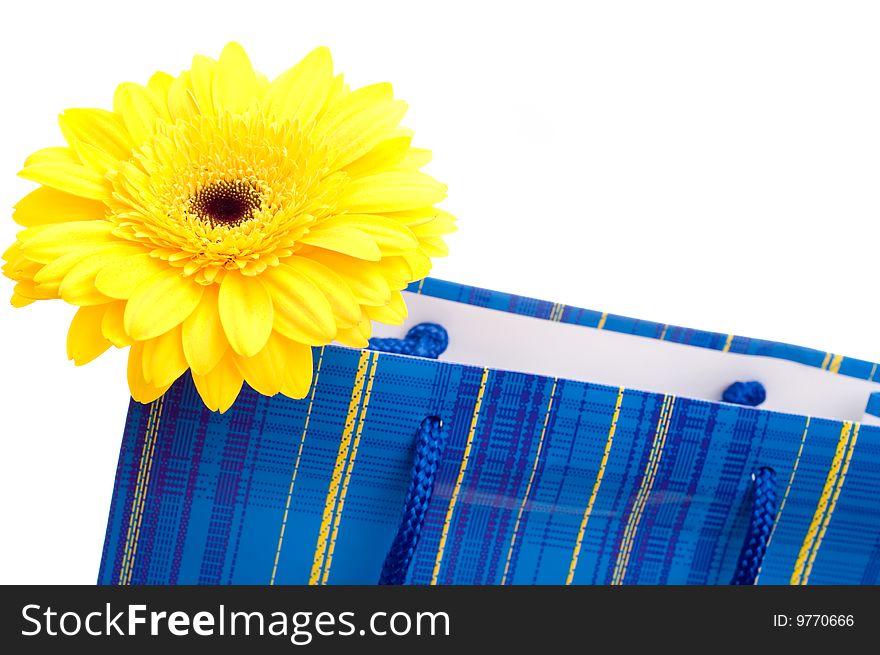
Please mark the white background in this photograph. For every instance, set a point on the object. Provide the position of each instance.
(707, 164)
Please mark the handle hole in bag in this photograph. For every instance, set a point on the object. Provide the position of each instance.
(761, 520)
(430, 442)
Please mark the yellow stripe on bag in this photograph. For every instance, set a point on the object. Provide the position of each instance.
(143, 480)
(797, 461)
(727, 344)
(797, 576)
(525, 499)
(461, 471)
(830, 512)
(336, 476)
(354, 451)
(836, 361)
(302, 441)
(645, 488)
(131, 514)
(641, 508)
(596, 485)
(146, 486)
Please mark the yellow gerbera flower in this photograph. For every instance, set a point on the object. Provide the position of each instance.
(225, 224)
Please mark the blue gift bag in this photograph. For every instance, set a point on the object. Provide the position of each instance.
(547, 445)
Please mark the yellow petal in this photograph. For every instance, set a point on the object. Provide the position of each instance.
(343, 239)
(53, 155)
(112, 326)
(140, 109)
(345, 306)
(221, 386)
(52, 273)
(392, 191)
(394, 313)
(78, 285)
(202, 79)
(141, 390)
(204, 342)
(262, 84)
(33, 292)
(388, 154)
(299, 93)
(22, 268)
(72, 178)
(13, 252)
(18, 300)
(359, 122)
(182, 103)
(352, 337)
(85, 341)
(43, 243)
(442, 223)
(397, 270)
(365, 279)
(164, 360)
(302, 311)
(120, 278)
(99, 128)
(160, 303)
(357, 336)
(416, 158)
(298, 370)
(265, 370)
(132, 178)
(419, 263)
(390, 236)
(47, 205)
(412, 217)
(338, 90)
(83, 295)
(95, 158)
(56, 270)
(235, 84)
(246, 313)
(434, 247)
(160, 84)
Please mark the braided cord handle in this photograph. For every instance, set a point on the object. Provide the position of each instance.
(761, 519)
(427, 340)
(423, 340)
(429, 451)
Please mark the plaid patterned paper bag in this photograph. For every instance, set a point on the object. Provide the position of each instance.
(576, 447)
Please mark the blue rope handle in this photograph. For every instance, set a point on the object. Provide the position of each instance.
(423, 340)
(761, 519)
(429, 450)
(430, 340)
(750, 394)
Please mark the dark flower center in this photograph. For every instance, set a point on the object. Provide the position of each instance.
(226, 202)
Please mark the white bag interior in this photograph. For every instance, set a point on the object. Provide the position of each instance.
(502, 340)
